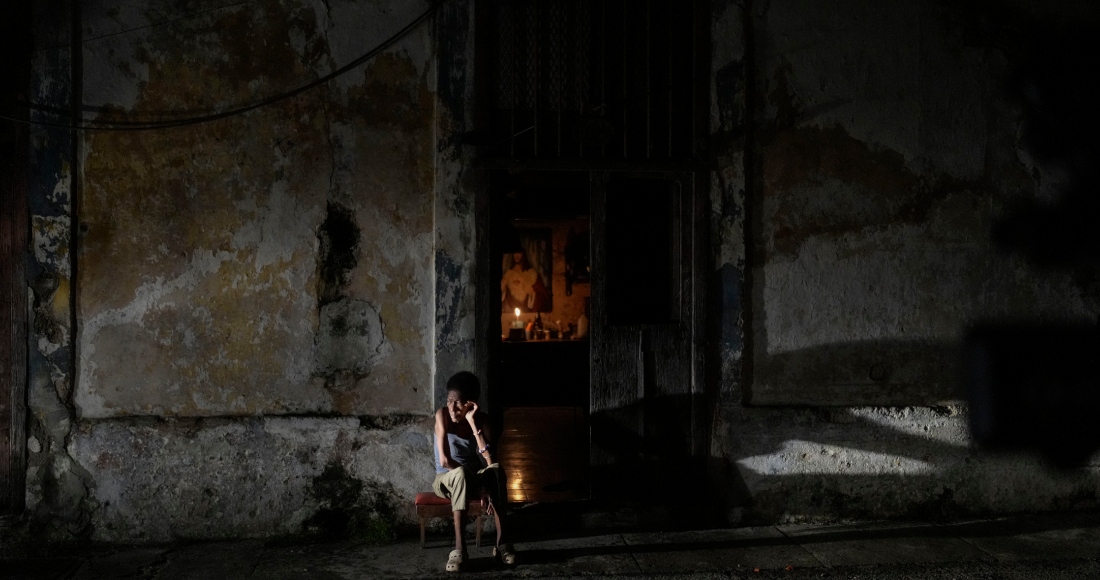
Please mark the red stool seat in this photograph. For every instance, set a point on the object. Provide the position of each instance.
(430, 505)
(429, 498)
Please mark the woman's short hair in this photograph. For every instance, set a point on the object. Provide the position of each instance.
(466, 384)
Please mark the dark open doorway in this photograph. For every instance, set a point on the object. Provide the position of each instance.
(540, 355)
(608, 263)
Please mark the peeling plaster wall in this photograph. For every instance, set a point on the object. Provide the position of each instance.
(887, 148)
(881, 149)
(279, 262)
(219, 478)
(208, 285)
(56, 484)
(455, 187)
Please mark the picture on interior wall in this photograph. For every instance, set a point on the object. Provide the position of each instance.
(577, 270)
(527, 273)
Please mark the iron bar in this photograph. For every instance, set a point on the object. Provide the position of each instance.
(671, 21)
(648, 80)
(625, 103)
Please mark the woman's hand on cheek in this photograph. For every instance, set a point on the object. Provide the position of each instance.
(472, 410)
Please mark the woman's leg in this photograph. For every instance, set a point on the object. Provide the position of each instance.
(454, 484)
(500, 526)
(460, 539)
(492, 481)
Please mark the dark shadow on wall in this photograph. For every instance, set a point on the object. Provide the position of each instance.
(860, 373)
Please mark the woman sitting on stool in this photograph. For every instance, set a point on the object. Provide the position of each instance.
(462, 436)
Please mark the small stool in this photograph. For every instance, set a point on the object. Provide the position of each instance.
(430, 505)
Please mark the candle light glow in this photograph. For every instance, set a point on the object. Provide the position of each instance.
(517, 323)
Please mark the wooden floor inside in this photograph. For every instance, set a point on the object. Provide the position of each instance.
(544, 452)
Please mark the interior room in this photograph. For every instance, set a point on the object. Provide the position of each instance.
(541, 369)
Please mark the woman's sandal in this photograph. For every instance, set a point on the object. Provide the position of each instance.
(506, 554)
(455, 561)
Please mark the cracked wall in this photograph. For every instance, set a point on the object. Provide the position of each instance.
(887, 148)
(165, 480)
(56, 484)
(211, 283)
(274, 263)
(881, 148)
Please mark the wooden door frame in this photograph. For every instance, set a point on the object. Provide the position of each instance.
(15, 75)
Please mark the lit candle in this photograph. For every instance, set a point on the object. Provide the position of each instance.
(517, 323)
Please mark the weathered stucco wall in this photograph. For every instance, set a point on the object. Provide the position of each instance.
(221, 478)
(883, 149)
(56, 491)
(274, 263)
(887, 147)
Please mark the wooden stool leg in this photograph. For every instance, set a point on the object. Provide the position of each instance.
(477, 535)
(422, 522)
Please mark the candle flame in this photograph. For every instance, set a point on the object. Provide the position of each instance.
(517, 313)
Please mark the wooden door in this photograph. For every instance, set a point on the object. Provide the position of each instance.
(13, 314)
(15, 71)
(646, 376)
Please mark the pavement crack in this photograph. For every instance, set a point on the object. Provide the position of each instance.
(256, 562)
(630, 550)
(801, 547)
(153, 569)
(993, 558)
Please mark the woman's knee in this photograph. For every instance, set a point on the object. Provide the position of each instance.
(464, 474)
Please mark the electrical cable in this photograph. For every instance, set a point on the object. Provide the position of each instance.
(124, 125)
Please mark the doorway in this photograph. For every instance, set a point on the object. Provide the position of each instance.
(540, 353)
(598, 375)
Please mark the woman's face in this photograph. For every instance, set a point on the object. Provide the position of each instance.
(457, 406)
(518, 259)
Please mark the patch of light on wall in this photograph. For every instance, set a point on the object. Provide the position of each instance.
(919, 422)
(807, 457)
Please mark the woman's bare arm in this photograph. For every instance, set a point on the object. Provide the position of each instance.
(441, 441)
(481, 434)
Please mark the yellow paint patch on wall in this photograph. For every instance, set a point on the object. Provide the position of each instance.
(59, 305)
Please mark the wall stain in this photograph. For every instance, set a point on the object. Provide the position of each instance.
(448, 277)
(802, 165)
(788, 107)
(352, 508)
(339, 238)
(392, 94)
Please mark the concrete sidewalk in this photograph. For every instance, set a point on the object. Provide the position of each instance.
(1056, 546)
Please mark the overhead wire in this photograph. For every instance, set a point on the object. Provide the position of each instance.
(127, 125)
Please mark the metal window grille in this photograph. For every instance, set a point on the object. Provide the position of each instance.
(593, 79)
